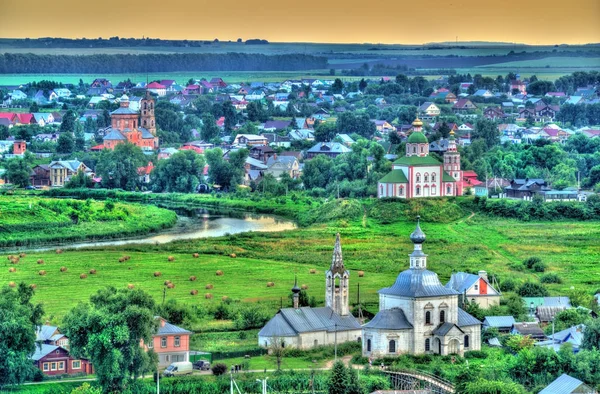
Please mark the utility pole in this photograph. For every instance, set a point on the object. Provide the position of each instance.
(157, 380)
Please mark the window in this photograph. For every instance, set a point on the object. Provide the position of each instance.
(368, 345)
(427, 317)
(76, 364)
(427, 345)
(177, 342)
(163, 342)
(433, 192)
(61, 365)
(46, 367)
(433, 177)
(426, 178)
(442, 316)
(421, 148)
(151, 344)
(392, 346)
(476, 287)
(448, 189)
(414, 149)
(418, 193)
(466, 341)
(401, 190)
(418, 177)
(53, 366)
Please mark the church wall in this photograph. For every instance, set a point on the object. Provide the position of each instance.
(288, 341)
(380, 342)
(474, 333)
(422, 330)
(389, 302)
(429, 170)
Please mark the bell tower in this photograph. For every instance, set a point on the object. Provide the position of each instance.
(147, 114)
(336, 282)
(452, 163)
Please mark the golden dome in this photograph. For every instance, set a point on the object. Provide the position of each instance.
(417, 123)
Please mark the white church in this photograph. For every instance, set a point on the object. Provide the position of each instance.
(417, 314)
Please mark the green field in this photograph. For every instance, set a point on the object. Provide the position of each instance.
(569, 248)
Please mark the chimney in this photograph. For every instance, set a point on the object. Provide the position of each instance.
(483, 274)
(296, 301)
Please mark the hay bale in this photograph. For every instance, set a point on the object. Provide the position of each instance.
(224, 298)
(208, 286)
(361, 274)
(42, 273)
(167, 282)
(304, 287)
(270, 284)
(233, 255)
(192, 278)
(170, 286)
(33, 286)
(21, 255)
(194, 292)
(157, 274)
(59, 251)
(313, 271)
(9, 257)
(196, 255)
(130, 286)
(63, 269)
(40, 261)
(121, 259)
(219, 273)
(127, 257)
(11, 284)
(14, 260)
(92, 271)
(171, 258)
(82, 276)
(208, 296)
(12, 269)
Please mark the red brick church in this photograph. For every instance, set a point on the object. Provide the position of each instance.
(129, 126)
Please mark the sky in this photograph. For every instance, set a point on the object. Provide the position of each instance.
(342, 21)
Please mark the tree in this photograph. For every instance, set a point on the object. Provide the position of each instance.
(223, 173)
(352, 383)
(317, 172)
(230, 115)
(487, 130)
(210, 131)
(256, 112)
(337, 379)
(516, 343)
(338, 86)
(181, 173)
(277, 350)
(485, 386)
(18, 172)
(532, 289)
(68, 122)
(65, 143)
(18, 320)
(79, 180)
(362, 85)
(444, 130)
(325, 132)
(119, 168)
(34, 107)
(79, 138)
(109, 331)
(349, 123)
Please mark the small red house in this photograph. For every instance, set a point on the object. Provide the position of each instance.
(55, 360)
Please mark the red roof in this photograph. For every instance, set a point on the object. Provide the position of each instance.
(469, 174)
(155, 85)
(7, 115)
(97, 147)
(551, 132)
(196, 149)
(146, 170)
(25, 118)
(221, 121)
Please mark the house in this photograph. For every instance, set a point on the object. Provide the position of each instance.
(277, 140)
(55, 360)
(428, 110)
(261, 152)
(519, 86)
(526, 188)
(218, 83)
(344, 139)
(45, 97)
(101, 83)
(250, 140)
(166, 153)
(51, 335)
(62, 92)
(383, 126)
(466, 127)
(566, 384)
(493, 113)
(19, 147)
(307, 327)
(17, 95)
(11, 117)
(170, 342)
(443, 94)
(277, 165)
(572, 335)
(144, 172)
(43, 118)
(483, 93)
(157, 88)
(301, 135)
(530, 329)
(274, 125)
(331, 149)
(475, 288)
(574, 100)
(40, 175)
(438, 147)
(255, 95)
(502, 323)
(61, 171)
(463, 106)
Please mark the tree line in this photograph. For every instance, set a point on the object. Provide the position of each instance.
(18, 63)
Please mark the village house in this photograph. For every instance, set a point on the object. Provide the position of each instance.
(250, 140)
(428, 110)
(278, 165)
(384, 127)
(306, 327)
(40, 176)
(261, 152)
(494, 113)
(157, 88)
(530, 329)
(566, 384)
(51, 335)
(463, 106)
(418, 315)
(61, 171)
(56, 360)
(170, 342)
(331, 149)
(277, 140)
(526, 188)
(475, 288)
(502, 323)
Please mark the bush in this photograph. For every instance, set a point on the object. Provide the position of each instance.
(476, 354)
(539, 267)
(550, 278)
(531, 261)
(219, 369)
(508, 285)
(531, 289)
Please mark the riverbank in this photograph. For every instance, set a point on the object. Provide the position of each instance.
(28, 221)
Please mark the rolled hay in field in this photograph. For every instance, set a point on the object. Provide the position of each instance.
(11, 284)
(361, 274)
(313, 271)
(42, 273)
(224, 298)
(219, 273)
(208, 286)
(157, 274)
(304, 287)
(14, 260)
(40, 261)
(192, 278)
(167, 282)
(194, 292)
(82, 276)
(9, 257)
(196, 255)
(208, 296)
(233, 255)
(21, 255)
(92, 271)
(33, 286)
(170, 286)
(121, 259)
(171, 258)
(270, 284)
(127, 257)
(12, 269)
(130, 286)
(63, 269)
(59, 251)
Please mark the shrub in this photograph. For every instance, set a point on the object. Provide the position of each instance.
(508, 285)
(192, 278)
(531, 289)
(157, 274)
(270, 284)
(42, 273)
(63, 269)
(171, 258)
(219, 273)
(82, 276)
(219, 369)
(194, 292)
(208, 286)
(361, 274)
(40, 261)
(531, 261)
(12, 269)
(550, 278)
(208, 296)
(476, 354)
(539, 267)
(92, 271)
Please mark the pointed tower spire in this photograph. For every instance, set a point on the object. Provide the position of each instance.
(418, 259)
(336, 278)
(337, 261)
(295, 293)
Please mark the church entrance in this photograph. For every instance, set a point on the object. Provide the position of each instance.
(454, 347)
(437, 345)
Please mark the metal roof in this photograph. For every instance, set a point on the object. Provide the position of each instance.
(167, 328)
(445, 329)
(499, 321)
(464, 319)
(564, 384)
(277, 327)
(308, 319)
(44, 333)
(124, 111)
(42, 351)
(390, 319)
(394, 176)
(145, 133)
(462, 281)
(417, 283)
(114, 135)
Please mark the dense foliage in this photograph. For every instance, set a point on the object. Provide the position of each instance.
(181, 173)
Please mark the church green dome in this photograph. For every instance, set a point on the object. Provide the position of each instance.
(417, 137)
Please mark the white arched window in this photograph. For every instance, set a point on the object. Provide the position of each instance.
(427, 345)
(418, 192)
(433, 177)
(392, 346)
(426, 177)
(448, 189)
(418, 177)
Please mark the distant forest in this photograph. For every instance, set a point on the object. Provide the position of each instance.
(57, 42)
(27, 63)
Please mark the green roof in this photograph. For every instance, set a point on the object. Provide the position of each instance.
(447, 177)
(394, 176)
(417, 137)
(418, 161)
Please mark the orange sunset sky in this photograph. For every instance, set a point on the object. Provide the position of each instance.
(344, 21)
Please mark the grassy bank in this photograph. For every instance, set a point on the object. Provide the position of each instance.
(27, 221)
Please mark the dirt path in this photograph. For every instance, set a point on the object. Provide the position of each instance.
(345, 360)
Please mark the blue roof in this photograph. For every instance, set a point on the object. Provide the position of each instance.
(114, 135)
(308, 319)
(564, 384)
(145, 133)
(168, 328)
(44, 332)
(390, 319)
(417, 283)
(444, 329)
(464, 319)
(499, 321)
(42, 351)
(124, 111)
(462, 281)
